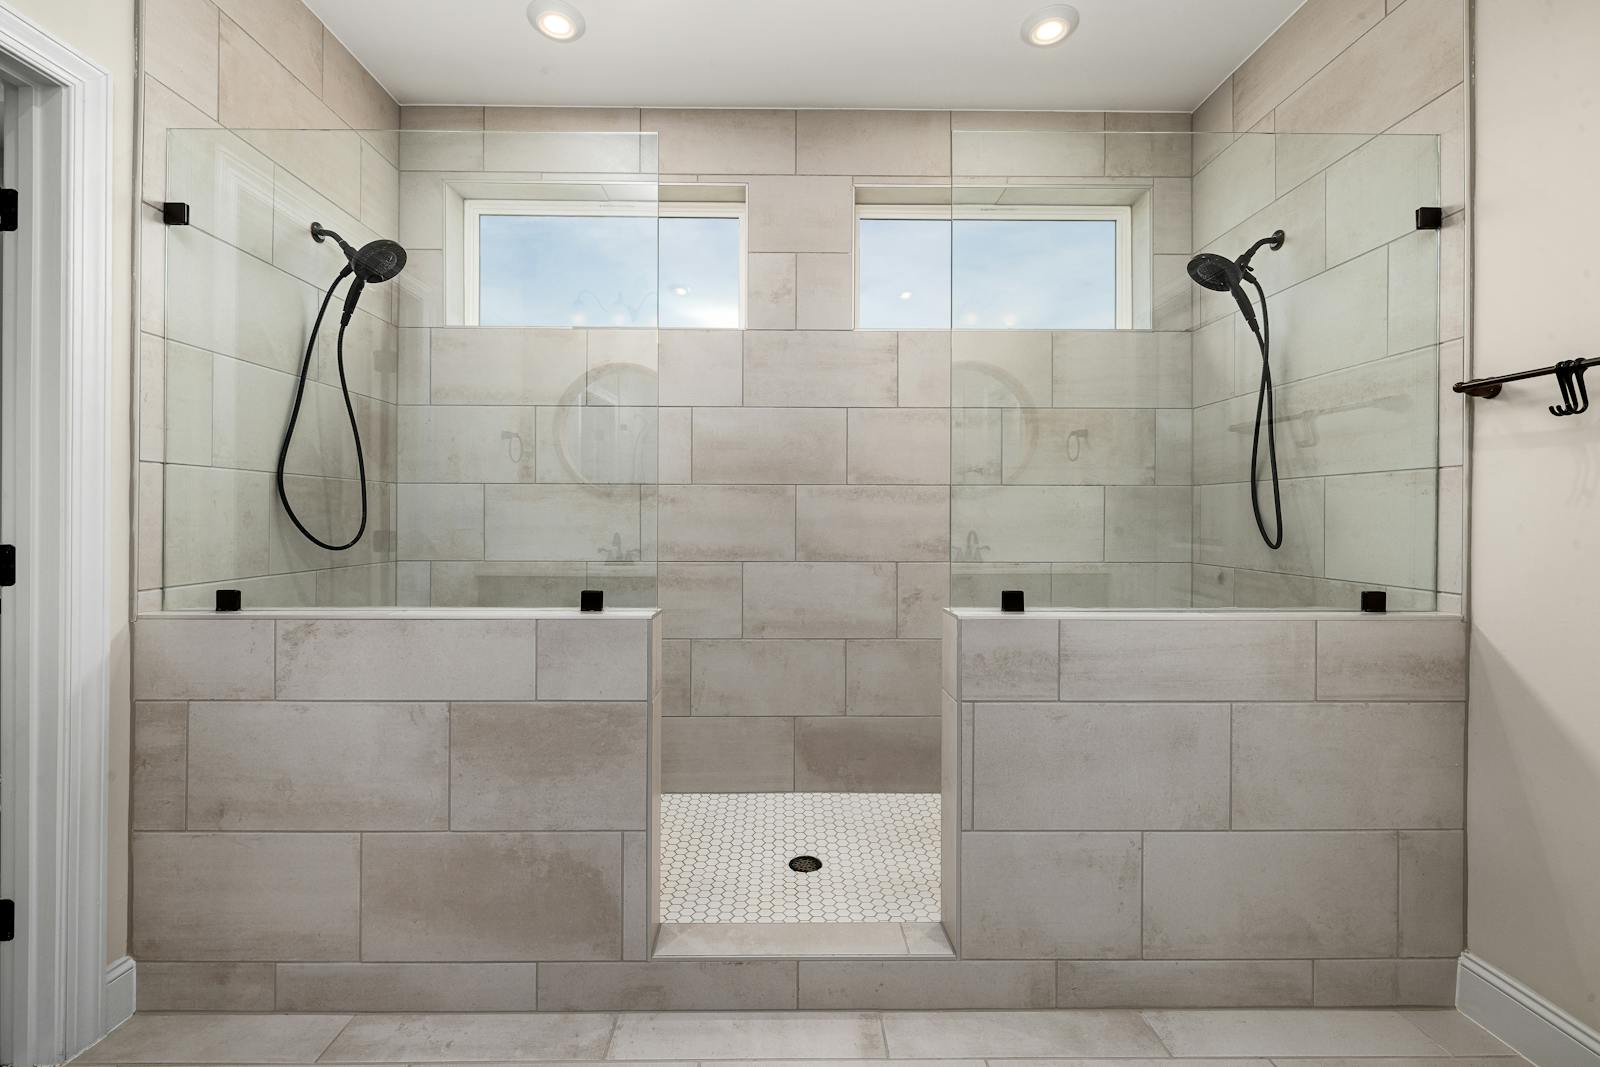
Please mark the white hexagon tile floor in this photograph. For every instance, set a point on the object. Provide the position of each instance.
(725, 857)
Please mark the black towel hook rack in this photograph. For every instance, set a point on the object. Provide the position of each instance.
(1569, 378)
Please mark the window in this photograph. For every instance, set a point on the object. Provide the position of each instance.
(618, 264)
(1025, 268)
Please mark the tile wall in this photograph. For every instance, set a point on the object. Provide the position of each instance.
(1264, 812)
(811, 475)
(226, 304)
(389, 811)
(1368, 313)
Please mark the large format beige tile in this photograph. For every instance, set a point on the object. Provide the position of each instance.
(1312, 37)
(1019, 1034)
(700, 367)
(491, 896)
(562, 522)
(1121, 369)
(457, 1038)
(151, 1037)
(769, 445)
(180, 659)
(1348, 766)
(819, 600)
(872, 142)
(715, 141)
(561, 766)
(863, 754)
(160, 768)
(1399, 660)
(344, 766)
(908, 523)
(727, 754)
(892, 677)
(405, 986)
(1183, 983)
(1269, 895)
(1028, 523)
(1290, 1033)
(1013, 885)
(1100, 766)
(594, 659)
(1382, 983)
(1071, 446)
(719, 985)
(899, 446)
(768, 677)
(917, 984)
(507, 366)
(256, 92)
(1457, 1034)
(781, 940)
(721, 1036)
(1432, 892)
(801, 214)
(1006, 659)
(212, 896)
(727, 522)
(165, 986)
(821, 368)
(391, 659)
(1187, 660)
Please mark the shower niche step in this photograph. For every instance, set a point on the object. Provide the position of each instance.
(802, 940)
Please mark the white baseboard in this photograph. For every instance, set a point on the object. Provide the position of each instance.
(1541, 1032)
(121, 990)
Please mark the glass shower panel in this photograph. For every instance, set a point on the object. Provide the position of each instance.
(1110, 468)
(511, 464)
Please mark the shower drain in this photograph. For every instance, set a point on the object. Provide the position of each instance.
(805, 864)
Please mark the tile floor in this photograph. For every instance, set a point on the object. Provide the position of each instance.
(1285, 1037)
(725, 857)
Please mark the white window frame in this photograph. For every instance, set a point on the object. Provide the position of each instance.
(1121, 214)
(475, 208)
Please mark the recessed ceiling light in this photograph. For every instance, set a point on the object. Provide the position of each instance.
(556, 20)
(1050, 26)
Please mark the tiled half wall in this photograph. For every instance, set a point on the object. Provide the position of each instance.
(1208, 810)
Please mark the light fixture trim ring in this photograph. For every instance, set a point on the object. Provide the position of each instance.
(538, 10)
(1064, 15)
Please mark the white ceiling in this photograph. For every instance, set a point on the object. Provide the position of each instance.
(1127, 55)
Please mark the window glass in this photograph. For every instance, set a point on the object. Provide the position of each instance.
(700, 273)
(904, 268)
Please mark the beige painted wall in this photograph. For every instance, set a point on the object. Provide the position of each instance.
(103, 30)
(1533, 783)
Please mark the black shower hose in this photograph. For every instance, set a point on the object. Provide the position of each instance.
(1264, 403)
(344, 387)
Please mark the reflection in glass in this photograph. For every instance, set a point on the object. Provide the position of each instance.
(700, 273)
(558, 270)
(905, 274)
(1034, 275)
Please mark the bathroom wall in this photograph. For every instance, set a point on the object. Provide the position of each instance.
(1534, 746)
(1268, 811)
(807, 496)
(225, 306)
(1360, 339)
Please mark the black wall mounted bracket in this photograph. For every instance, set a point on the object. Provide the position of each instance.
(175, 213)
(1568, 374)
(1430, 218)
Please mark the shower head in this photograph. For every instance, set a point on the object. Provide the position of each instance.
(1217, 273)
(375, 261)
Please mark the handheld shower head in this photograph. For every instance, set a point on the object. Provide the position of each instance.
(375, 261)
(1217, 273)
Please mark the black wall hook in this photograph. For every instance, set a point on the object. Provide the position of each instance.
(1574, 394)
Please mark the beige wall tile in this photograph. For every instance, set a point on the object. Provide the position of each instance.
(819, 600)
(1312, 38)
(245, 896)
(905, 446)
(160, 767)
(1078, 446)
(873, 142)
(180, 49)
(1233, 186)
(769, 677)
(825, 291)
(594, 659)
(713, 985)
(353, 93)
(770, 291)
(448, 117)
(923, 590)
(873, 522)
(181, 659)
(836, 1036)
(675, 446)
(1415, 54)
(700, 599)
(561, 119)
(1030, 153)
(1121, 369)
(1417, 660)
(1183, 983)
(507, 366)
(801, 214)
(1432, 892)
(467, 444)
(723, 141)
(281, 766)
(1348, 766)
(820, 368)
(727, 522)
(1149, 523)
(1373, 193)
(1187, 660)
(502, 1036)
(1415, 983)
(769, 445)
(1001, 369)
(1227, 535)
(287, 29)
(1058, 121)
(676, 683)
(1012, 886)
(892, 677)
(1406, 502)
(255, 91)
(409, 987)
(925, 984)
(1009, 659)
(859, 754)
(701, 367)
(1030, 523)
(1165, 155)
(727, 755)
(925, 369)
(1100, 766)
(395, 659)
(440, 521)
(493, 896)
(556, 522)
(1269, 895)
(566, 766)
(205, 986)
(196, 1038)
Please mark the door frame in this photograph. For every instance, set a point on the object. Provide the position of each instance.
(56, 357)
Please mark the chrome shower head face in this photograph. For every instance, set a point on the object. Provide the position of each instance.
(1217, 273)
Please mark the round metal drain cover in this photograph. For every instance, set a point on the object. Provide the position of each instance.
(805, 864)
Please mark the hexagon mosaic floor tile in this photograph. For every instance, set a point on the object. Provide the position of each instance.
(725, 857)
